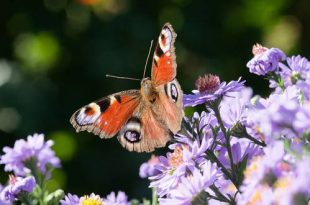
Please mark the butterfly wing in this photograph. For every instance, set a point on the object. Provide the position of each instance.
(170, 105)
(108, 115)
(164, 65)
(144, 131)
(170, 95)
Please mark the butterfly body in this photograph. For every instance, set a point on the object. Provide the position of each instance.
(142, 119)
(148, 90)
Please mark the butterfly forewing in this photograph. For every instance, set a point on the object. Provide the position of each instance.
(164, 64)
(106, 116)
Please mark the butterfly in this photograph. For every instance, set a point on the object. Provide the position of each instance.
(142, 119)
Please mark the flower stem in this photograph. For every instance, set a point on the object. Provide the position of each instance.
(220, 196)
(211, 156)
(39, 177)
(154, 196)
(263, 144)
(25, 198)
(239, 131)
(215, 108)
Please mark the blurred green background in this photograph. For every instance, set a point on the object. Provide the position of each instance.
(54, 55)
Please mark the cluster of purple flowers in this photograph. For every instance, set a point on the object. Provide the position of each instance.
(30, 161)
(112, 199)
(243, 149)
(276, 178)
(17, 187)
(24, 152)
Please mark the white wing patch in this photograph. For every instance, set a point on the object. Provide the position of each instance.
(165, 43)
(88, 114)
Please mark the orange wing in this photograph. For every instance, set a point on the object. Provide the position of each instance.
(164, 64)
(106, 116)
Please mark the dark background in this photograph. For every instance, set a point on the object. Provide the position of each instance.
(54, 55)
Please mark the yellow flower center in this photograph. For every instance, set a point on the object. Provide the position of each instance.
(252, 168)
(257, 196)
(176, 158)
(91, 200)
(283, 182)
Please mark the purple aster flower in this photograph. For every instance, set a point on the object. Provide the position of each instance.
(91, 199)
(119, 199)
(34, 148)
(234, 107)
(70, 199)
(209, 89)
(298, 70)
(297, 73)
(147, 169)
(17, 186)
(193, 187)
(293, 188)
(286, 179)
(265, 60)
(200, 134)
(203, 122)
(179, 163)
(3, 201)
(262, 195)
(301, 122)
(239, 152)
(172, 168)
(303, 173)
(280, 115)
(263, 172)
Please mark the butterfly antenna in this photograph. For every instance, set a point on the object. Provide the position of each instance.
(147, 59)
(120, 77)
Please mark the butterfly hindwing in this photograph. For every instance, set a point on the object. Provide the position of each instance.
(106, 116)
(144, 131)
(171, 105)
(164, 64)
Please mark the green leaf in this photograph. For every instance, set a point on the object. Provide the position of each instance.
(240, 170)
(54, 197)
(134, 202)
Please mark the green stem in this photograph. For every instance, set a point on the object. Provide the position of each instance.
(24, 198)
(211, 156)
(263, 144)
(216, 110)
(154, 196)
(39, 176)
(220, 196)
